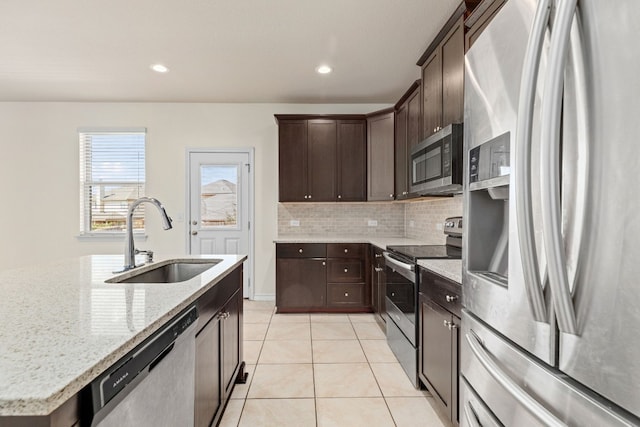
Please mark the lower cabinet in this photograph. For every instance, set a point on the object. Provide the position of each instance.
(322, 277)
(218, 355)
(301, 282)
(439, 341)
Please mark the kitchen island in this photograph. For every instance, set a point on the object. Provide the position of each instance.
(62, 326)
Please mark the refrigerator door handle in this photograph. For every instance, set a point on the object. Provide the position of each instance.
(550, 171)
(526, 400)
(524, 126)
(470, 415)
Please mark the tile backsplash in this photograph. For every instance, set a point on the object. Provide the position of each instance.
(418, 219)
(423, 219)
(336, 219)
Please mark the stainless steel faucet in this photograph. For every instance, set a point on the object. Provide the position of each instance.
(129, 246)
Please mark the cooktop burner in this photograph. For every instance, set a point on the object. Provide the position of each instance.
(416, 252)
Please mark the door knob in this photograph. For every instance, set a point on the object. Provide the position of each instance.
(194, 233)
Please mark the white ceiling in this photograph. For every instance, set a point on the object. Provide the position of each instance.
(217, 50)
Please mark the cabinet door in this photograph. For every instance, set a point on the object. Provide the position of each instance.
(231, 341)
(435, 351)
(380, 135)
(321, 160)
(352, 160)
(453, 75)
(432, 94)
(401, 156)
(292, 160)
(300, 283)
(413, 121)
(208, 395)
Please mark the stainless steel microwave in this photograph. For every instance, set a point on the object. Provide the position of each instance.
(436, 163)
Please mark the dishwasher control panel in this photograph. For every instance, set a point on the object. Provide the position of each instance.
(141, 359)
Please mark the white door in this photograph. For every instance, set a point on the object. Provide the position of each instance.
(219, 205)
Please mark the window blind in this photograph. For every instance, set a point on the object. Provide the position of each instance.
(112, 175)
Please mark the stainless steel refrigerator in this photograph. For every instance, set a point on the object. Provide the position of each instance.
(551, 256)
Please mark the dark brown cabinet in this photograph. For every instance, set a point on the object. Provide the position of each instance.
(443, 81)
(408, 131)
(321, 159)
(292, 156)
(218, 348)
(380, 155)
(351, 163)
(321, 277)
(301, 276)
(300, 283)
(439, 340)
(347, 274)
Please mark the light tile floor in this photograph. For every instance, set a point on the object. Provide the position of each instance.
(322, 370)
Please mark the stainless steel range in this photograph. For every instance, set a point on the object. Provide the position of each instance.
(402, 292)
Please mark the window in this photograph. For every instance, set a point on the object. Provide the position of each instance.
(112, 175)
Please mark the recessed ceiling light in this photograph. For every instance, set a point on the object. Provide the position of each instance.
(159, 68)
(323, 69)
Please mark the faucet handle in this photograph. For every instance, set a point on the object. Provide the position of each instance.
(149, 255)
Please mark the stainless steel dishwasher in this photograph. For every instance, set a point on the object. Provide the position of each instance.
(154, 384)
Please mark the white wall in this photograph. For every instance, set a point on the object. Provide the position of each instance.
(39, 172)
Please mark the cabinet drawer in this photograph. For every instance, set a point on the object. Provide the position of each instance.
(346, 250)
(346, 271)
(442, 291)
(345, 294)
(301, 250)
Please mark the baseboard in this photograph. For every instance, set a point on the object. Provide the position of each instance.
(264, 297)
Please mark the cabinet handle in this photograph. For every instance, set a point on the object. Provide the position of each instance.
(346, 270)
(378, 255)
(451, 298)
(446, 323)
(194, 233)
(393, 294)
(391, 195)
(452, 326)
(346, 250)
(339, 196)
(309, 195)
(346, 294)
(300, 250)
(324, 263)
(305, 196)
(378, 269)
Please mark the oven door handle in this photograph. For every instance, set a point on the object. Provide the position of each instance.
(398, 264)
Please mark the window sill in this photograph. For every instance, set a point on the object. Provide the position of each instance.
(113, 237)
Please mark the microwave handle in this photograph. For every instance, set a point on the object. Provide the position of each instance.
(524, 211)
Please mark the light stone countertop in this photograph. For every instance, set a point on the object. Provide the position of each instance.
(449, 268)
(379, 241)
(62, 325)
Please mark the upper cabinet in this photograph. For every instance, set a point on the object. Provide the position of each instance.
(321, 159)
(352, 155)
(443, 77)
(292, 158)
(380, 156)
(408, 134)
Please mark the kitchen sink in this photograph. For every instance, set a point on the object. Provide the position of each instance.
(171, 271)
